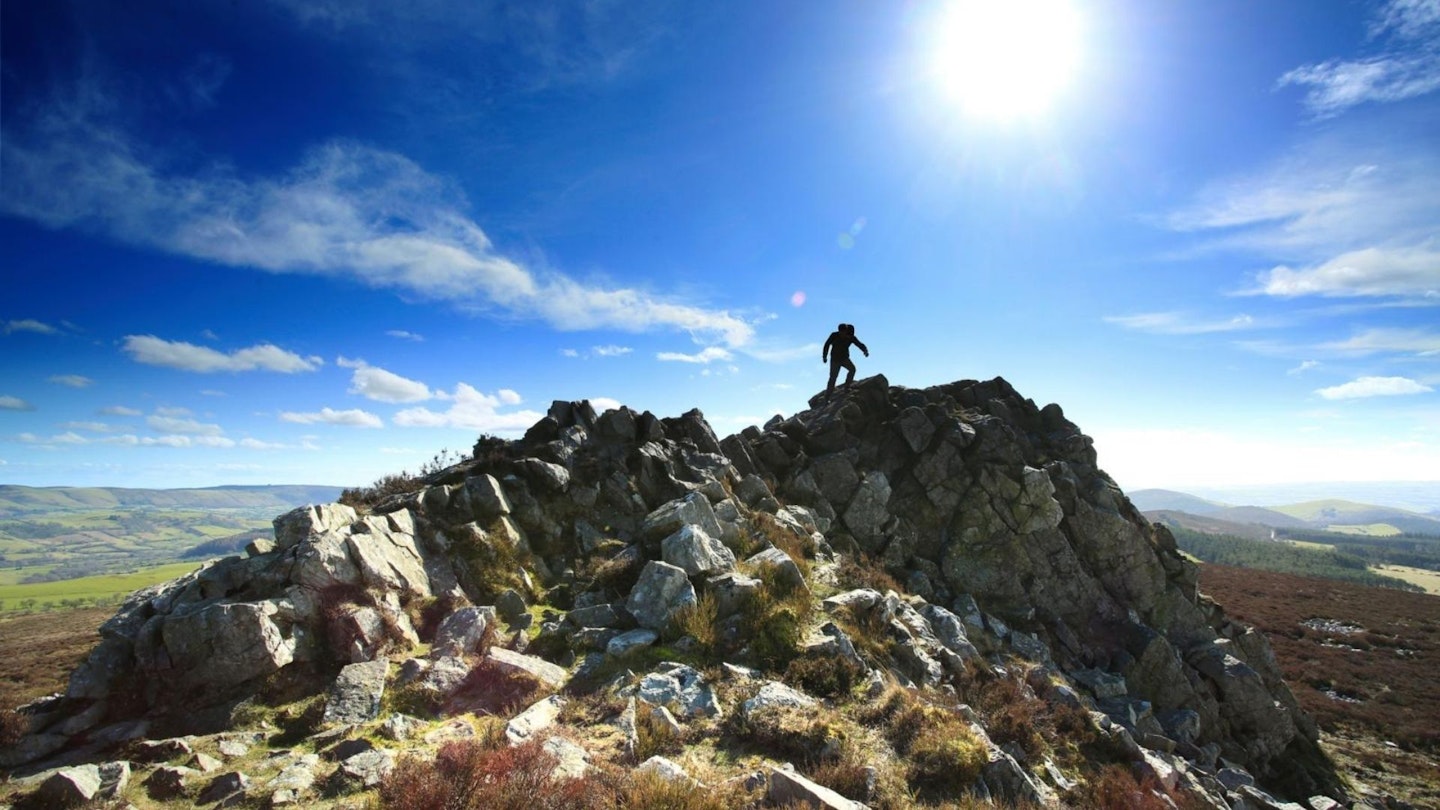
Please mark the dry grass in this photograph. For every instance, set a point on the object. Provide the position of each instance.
(38, 651)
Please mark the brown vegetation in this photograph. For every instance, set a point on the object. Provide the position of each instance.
(38, 651)
(1379, 679)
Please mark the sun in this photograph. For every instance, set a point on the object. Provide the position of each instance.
(1006, 59)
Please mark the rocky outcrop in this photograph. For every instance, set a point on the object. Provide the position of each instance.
(1014, 547)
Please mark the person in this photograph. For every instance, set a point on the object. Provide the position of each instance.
(837, 351)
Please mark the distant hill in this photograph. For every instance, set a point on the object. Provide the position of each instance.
(1148, 500)
(1207, 524)
(17, 501)
(1262, 516)
(1333, 512)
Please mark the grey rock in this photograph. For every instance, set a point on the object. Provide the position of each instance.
(308, 522)
(601, 615)
(232, 749)
(259, 547)
(223, 787)
(661, 590)
(830, 640)
(915, 427)
(169, 781)
(537, 668)
(356, 694)
(535, 719)
(784, 569)
(867, 513)
(511, 605)
(204, 763)
(68, 787)
(631, 640)
(114, 778)
(226, 644)
(571, 761)
(32, 747)
(731, 592)
(692, 510)
(667, 770)
(1101, 684)
(486, 497)
(696, 552)
(462, 631)
(790, 788)
(680, 688)
(1234, 778)
(366, 769)
(773, 694)
(400, 727)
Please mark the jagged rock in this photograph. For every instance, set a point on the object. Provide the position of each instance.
(1100, 683)
(571, 761)
(356, 693)
(223, 787)
(293, 782)
(68, 787)
(204, 763)
(1234, 778)
(444, 675)
(366, 769)
(950, 631)
(862, 600)
(32, 747)
(681, 688)
(696, 552)
(830, 640)
(774, 694)
(114, 778)
(631, 640)
(666, 770)
(161, 750)
(537, 668)
(692, 510)
(307, 522)
(661, 590)
(462, 631)
(486, 497)
(538, 717)
(1264, 801)
(259, 547)
(511, 605)
(786, 571)
(225, 644)
(731, 592)
(867, 514)
(788, 788)
(400, 727)
(386, 556)
(601, 615)
(169, 781)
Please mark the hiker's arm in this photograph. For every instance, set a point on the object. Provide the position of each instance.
(862, 347)
(825, 352)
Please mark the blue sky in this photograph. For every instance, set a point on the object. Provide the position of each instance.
(318, 242)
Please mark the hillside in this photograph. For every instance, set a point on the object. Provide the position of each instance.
(917, 598)
(20, 501)
(1155, 500)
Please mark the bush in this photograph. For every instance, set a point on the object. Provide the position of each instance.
(469, 775)
(804, 736)
(826, 676)
(773, 622)
(863, 571)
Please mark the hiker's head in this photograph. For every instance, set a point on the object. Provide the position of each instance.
(840, 328)
(849, 328)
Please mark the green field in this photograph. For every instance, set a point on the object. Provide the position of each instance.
(1367, 530)
(85, 590)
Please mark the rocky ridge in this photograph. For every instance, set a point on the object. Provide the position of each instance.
(887, 551)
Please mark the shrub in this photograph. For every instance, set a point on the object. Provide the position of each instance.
(13, 726)
(824, 675)
(698, 620)
(807, 736)
(1115, 788)
(863, 571)
(653, 736)
(493, 690)
(946, 756)
(773, 622)
(470, 775)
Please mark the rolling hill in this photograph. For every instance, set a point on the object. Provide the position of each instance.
(21, 501)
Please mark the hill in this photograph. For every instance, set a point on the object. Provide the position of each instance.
(916, 597)
(1153, 500)
(22, 501)
(1335, 512)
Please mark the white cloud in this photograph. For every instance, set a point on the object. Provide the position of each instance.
(1304, 367)
(708, 355)
(171, 424)
(9, 403)
(569, 353)
(611, 351)
(380, 385)
(29, 325)
(93, 427)
(783, 354)
(68, 437)
(329, 416)
(403, 335)
(72, 380)
(257, 444)
(169, 440)
(209, 334)
(1406, 65)
(171, 410)
(1412, 271)
(345, 211)
(474, 410)
(1175, 323)
(154, 351)
(603, 404)
(1411, 341)
(119, 410)
(1374, 387)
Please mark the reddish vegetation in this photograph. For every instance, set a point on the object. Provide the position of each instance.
(1376, 677)
(37, 651)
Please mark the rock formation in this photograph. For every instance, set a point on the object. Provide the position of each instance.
(598, 535)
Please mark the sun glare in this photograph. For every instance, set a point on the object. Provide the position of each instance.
(1005, 59)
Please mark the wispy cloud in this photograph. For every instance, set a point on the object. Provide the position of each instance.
(169, 440)
(29, 325)
(191, 427)
(611, 351)
(329, 416)
(1176, 323)
(710, 354)
(380, 385)
(346, 211)
(1304, 367)
(472, 409)
(119, 410)
(1374, 387)
(1419, 342)
(403, 335)
(154, 351)
(1405, 63)
(72, 380)
(93, 427)
(1402, 271)
(9, 403)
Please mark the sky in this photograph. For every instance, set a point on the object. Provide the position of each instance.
(320, 242)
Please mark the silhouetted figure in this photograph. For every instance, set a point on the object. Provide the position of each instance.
(837, 351)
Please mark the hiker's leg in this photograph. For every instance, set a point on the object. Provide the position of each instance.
(834, 372)
(849, 372)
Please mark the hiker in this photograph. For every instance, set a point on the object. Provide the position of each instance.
(837, 351)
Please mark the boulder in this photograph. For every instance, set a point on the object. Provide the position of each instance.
(868, 511)
(785, 571)
(366, 769)
(693, 550)
(307, 522)
(356, 694)
(773, 694)
(462, 631)
(226, 644)
(788, 788)
(535, 719)
(223, 787)
(486, 497)
(680, 688)
(661, 590)
(68, 787)
(537, 668)
(692, 510)
(169, 781)
(667, 770)
(631, 640)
